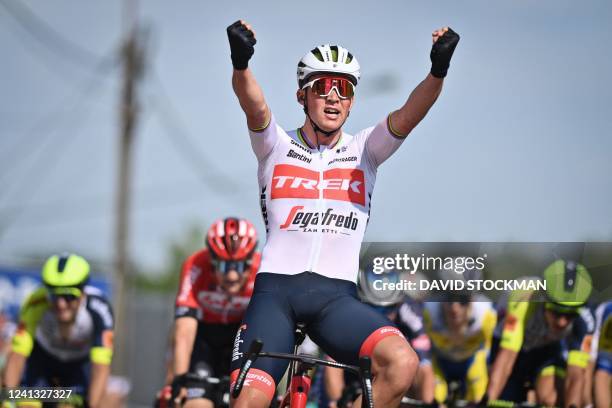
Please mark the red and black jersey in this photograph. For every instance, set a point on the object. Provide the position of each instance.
(200, 295)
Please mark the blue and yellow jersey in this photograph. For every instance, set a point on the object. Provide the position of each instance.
(90, 334)
(477, 335)
(602, 341)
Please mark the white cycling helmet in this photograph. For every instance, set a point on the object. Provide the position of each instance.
(377, 294)
(328, 59)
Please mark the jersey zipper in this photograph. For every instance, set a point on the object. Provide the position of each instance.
(315, 249)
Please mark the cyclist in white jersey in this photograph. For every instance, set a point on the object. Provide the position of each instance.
(316, 184)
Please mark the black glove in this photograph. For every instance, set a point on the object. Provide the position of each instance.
(241, 41)
(441, 53)
(177, 384)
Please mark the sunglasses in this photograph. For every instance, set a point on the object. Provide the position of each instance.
(557, 313)
(224, 267)
(323, 86)
(67, 294)
(463, 300)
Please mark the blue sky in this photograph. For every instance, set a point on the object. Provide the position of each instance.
(517, 148)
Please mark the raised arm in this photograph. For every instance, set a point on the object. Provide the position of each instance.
(250, 95)
(422, 98)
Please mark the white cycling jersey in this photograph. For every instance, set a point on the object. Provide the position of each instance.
(316, 202)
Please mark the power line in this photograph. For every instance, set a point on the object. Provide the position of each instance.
(43, 168)
(49, 36)
(180, 140)
(20, 152)
(90, 208)
(39, 52)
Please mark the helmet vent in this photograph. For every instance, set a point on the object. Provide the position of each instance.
(334, 52)
(570, 275)
(61, 264)
(317, 53)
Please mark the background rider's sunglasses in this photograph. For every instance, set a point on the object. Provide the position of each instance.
(226, 266)
(559, 311)
(463, 300)
(67, 294)
(568, 315)
(324, 85)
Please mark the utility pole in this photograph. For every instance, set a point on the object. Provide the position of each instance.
(132, 57)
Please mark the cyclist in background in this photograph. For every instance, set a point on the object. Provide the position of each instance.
(460, 325)
(603, 367)
(7, 330)
(527, 344)
(214, 290)
(65, 333)
(315, 185)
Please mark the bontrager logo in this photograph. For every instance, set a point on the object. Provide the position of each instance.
(343, 159)
(289, 181)
(309, 221)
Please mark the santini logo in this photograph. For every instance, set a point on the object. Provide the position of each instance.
(295, 155)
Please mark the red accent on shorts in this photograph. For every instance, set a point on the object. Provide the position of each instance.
(258, 379)
(422, 342)
(368, 345)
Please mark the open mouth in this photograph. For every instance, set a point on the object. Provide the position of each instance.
(331, 113)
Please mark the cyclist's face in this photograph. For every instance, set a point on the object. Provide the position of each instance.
(456, 314)
(330, 111)
(232, 281)
(558, 322)
(66, 308)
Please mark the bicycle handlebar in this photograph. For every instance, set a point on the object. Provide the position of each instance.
(363, 370)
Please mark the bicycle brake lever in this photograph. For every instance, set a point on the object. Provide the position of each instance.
(365, 369)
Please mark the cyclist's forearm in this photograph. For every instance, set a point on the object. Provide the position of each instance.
(428, 383)
(97, 386)
(14, 369)
(573, 386)
(418, 104)
(500, 372)
(334, 383)
(185, 329)
(602, 383)
(251, 98)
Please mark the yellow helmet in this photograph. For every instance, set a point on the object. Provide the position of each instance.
(66, 270)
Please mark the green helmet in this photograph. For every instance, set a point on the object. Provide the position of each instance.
(568, 285)
(66, 270)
